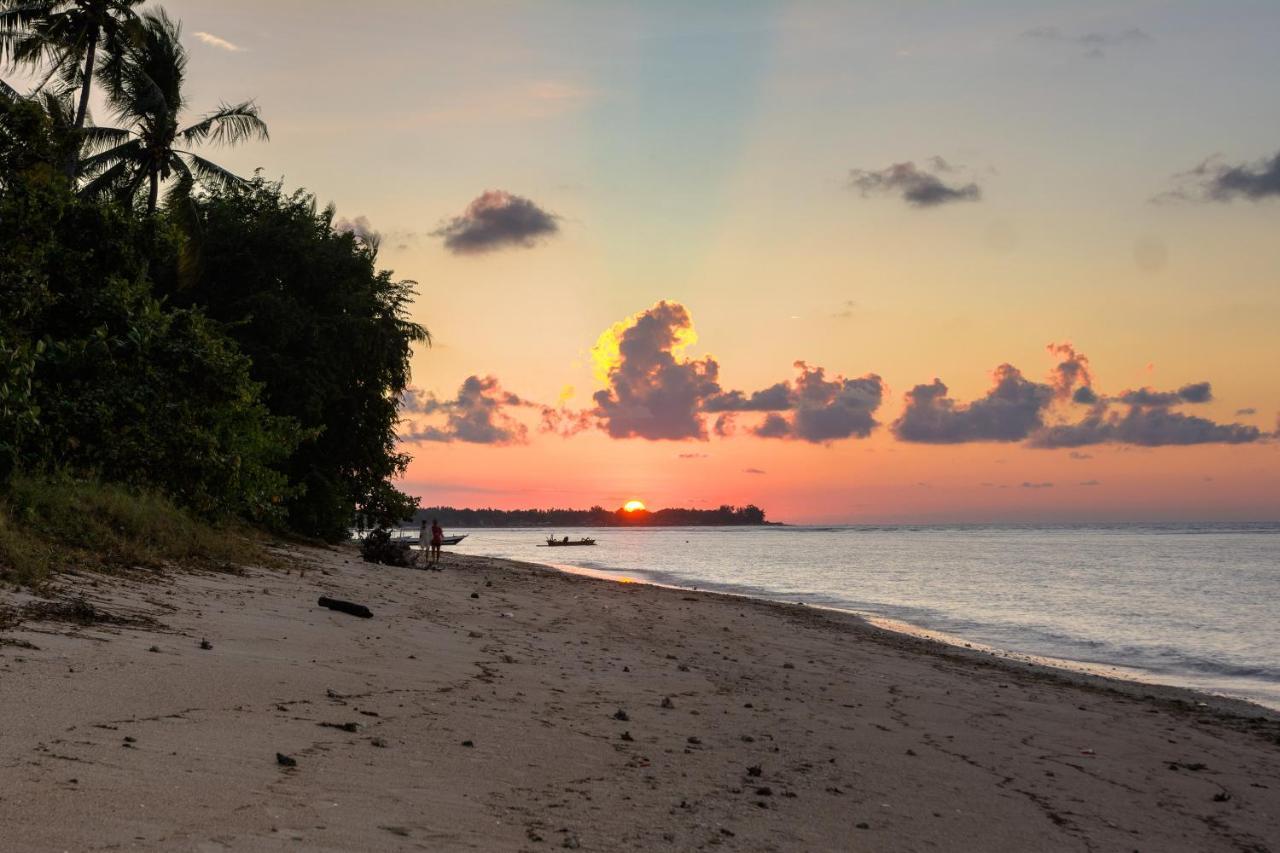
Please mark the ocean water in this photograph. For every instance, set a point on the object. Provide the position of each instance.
(1193, 605)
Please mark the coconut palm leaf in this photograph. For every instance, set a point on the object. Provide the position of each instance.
(130, 152)
(227, 125)
(104, 185)
(209, 173)
(95, 138)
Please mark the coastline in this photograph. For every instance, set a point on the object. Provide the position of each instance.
(1126, 681)
(859, 735)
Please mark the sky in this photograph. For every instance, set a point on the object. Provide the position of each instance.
(807, 255)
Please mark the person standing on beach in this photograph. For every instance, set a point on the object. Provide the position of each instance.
(437, 540)
(424, 543)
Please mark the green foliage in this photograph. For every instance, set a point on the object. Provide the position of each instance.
(124, 387)
(329, 338)
(231, 355)
(18, 410)
(55, 522)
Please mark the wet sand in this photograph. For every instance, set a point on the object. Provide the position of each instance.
(502, 706)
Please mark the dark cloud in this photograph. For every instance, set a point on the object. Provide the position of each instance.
(774, 426)
(1144, 426)
(693, 455)
(775, 398)
(1085, 396)
(497, 220)
(1071, 377)
(725, 426)
(753, 471)
(1095, 42)
(1012, 410)
(916, 187)
(1242, 413)
(654, 392)
(825, 410)
(1213, 180)
(1091, 483)
(476, 416)
(1037, 485)
(1198, 392)
(1077, 455)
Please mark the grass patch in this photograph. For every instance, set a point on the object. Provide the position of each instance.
(49, 525)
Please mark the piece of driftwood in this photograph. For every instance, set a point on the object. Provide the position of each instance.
(346, 607)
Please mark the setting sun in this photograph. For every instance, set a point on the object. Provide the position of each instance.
(633, 506)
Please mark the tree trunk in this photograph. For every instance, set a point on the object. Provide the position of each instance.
(82, 110)
(153, 196)
(90, 55)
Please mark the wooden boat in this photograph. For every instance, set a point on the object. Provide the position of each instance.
(566, 542)
(448, 540)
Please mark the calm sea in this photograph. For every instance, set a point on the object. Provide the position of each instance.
(1196, 605)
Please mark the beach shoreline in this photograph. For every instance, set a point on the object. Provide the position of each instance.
(506, 705)
(1124, 680)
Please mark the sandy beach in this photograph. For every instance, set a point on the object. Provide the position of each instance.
(503, 706)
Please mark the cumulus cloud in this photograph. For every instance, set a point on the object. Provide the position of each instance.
(917, 187)
(1071, 377)
(220, 43)
(824, 410)
(775, 398)
(654, 391)
(497, 220)
(1017, 409)
(1197, 392)
(1155, 426)
(1213, 180)
(1012, 410)
(477, 415)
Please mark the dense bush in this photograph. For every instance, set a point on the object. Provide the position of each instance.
(328, 336)
(231, 352)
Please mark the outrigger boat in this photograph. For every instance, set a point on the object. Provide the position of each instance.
(566, 542)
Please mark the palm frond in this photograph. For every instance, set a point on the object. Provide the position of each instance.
(210, 173)
(130, 152)
(229, 124)
(95, 138)
(182, 186)
(8, 93)
(102, 186)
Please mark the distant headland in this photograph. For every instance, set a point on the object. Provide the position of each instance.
(597, 516)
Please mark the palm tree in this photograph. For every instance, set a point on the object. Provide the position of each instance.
(143, 81)
(65, 35)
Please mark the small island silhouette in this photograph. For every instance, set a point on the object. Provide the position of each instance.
(597, 516)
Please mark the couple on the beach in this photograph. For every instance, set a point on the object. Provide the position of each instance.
(436, 540)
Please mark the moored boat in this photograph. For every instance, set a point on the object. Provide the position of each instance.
(566, 542)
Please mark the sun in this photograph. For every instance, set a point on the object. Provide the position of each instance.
(633, 506)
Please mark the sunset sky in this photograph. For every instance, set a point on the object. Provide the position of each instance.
(619, 214)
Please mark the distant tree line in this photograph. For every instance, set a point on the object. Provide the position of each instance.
(597, 516)
(167, 325)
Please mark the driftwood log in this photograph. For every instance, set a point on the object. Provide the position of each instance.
(346, 607)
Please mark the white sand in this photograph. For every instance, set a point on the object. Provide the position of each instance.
(864, 740)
